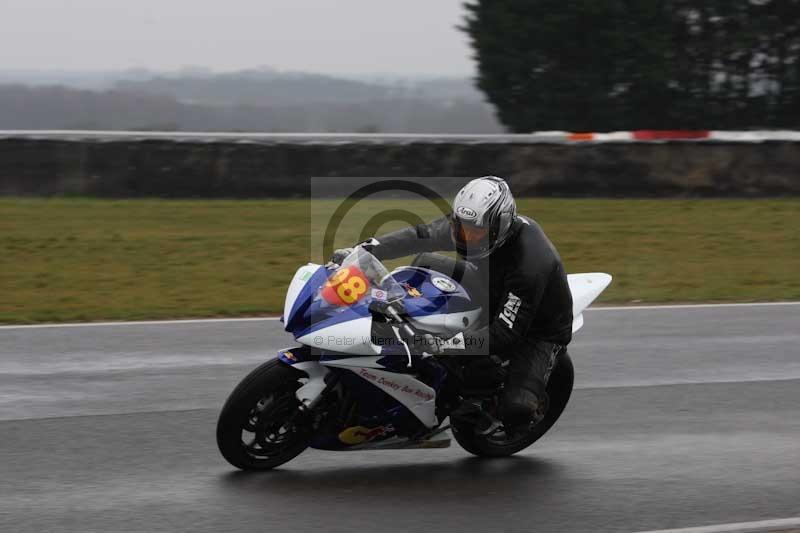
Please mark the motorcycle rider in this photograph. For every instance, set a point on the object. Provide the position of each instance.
(510, 259)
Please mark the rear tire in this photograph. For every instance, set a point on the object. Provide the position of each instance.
(264, 405)
(559, 390)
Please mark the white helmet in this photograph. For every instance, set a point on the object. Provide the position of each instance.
(483, 212)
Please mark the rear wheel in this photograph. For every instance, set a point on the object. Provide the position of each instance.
(261, 425)
(500, 443)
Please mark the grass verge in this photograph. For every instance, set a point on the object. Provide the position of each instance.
(87, 259)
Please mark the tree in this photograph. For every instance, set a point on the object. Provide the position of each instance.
(588, 65)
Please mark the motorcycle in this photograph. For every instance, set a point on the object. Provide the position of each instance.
(362, 379)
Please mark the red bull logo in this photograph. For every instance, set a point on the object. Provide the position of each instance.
(361, 434)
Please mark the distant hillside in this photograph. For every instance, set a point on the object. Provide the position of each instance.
(243, 105)
(260, 88)
(251, 100)
(272, 88)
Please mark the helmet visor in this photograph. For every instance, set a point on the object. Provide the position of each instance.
(469, 238)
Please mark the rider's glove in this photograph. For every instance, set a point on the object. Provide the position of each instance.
(433, 344)
(340, 255)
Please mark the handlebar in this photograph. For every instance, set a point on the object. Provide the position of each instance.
(392, 311)
(403, 324)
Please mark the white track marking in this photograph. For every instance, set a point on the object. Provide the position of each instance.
(144, 323)
(784, 524)
(273, 318)
(685, 306)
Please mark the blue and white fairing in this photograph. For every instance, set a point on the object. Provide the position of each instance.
(433, 302)
(442, 307)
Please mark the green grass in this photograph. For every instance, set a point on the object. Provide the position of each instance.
(85, 259)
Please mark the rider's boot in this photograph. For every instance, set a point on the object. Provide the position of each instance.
(524, 400)
(472, 412)
(482, 376)
(522, 406)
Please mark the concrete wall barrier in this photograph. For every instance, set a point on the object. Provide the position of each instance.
(249, 166)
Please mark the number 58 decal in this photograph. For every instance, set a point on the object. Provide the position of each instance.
(345, 287)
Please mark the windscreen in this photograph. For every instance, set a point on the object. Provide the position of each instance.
(360, 279)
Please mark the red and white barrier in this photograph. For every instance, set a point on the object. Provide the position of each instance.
(685, 135)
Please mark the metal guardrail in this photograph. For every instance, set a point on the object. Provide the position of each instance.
(281, 138)
(543, 137)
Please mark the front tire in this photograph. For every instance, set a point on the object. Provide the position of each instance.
(559, 390)
(261, 426)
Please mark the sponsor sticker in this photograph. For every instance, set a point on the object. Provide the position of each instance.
(360, 434)
(444, 284)
(466, 212)
(384, 382)
(510, 309)
(412, 291)
(378, 294)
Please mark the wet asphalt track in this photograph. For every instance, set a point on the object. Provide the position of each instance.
(682, 417)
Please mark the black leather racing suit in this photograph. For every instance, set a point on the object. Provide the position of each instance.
(529, 301)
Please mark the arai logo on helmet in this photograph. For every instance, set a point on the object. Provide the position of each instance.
(467, 213)
(444, 284)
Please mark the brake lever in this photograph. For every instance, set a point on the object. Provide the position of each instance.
(407, 330)
(390, 311)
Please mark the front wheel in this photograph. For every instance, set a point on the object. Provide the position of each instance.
(261, 425)
(501, 444)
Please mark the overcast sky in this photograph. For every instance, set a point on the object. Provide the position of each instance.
(331, 36)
